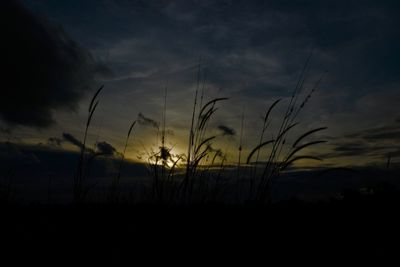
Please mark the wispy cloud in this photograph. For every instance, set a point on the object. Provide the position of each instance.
(145, 121)
(373, 143)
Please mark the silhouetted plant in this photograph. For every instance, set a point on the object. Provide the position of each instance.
(115, 181)
(202, 178)
(199, 146)
(7, 191)
(260, 186)
(80, 189)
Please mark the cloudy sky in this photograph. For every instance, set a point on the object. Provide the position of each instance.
(57, 53)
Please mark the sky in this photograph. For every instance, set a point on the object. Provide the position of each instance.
(58, 53)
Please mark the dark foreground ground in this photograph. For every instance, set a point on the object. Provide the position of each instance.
(353, 230)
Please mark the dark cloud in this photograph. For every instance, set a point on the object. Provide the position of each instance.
(389, 132)
(351, 149)
(54, 141)
(105, 148)
(143, 120)
(375, 142)
(394, 135)
(43, 68)
(102, 148)
(226, 130)
(30, 166)
(72, 140)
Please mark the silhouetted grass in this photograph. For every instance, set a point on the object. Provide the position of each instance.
(198, 176)
(115, 182)
(80, 189)
(281, 155)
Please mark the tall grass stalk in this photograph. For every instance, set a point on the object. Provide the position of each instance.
(80, 190)
(199, 145)
(260, 186)
(117, 178)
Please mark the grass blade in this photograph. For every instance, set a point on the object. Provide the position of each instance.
(258, 148)
(307, 134)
